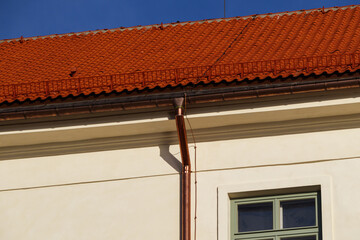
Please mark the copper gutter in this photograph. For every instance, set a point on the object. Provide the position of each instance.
(148, 101)
(186, 170)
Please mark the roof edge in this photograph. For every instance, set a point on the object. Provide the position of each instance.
(183, 23)
(193, 96)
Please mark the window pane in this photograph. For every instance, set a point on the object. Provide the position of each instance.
(262, 239)
(298, 213)
(253, 217)
(300, 238)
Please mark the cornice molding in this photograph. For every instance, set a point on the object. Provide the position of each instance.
(169, 138)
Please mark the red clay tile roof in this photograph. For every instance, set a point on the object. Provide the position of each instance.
(283, 44)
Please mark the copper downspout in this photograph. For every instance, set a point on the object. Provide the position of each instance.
(186, 170)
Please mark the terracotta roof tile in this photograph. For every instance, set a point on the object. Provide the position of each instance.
(283, 44)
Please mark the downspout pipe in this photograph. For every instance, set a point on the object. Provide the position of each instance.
(186, 170)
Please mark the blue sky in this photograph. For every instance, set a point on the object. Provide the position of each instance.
(30, 18)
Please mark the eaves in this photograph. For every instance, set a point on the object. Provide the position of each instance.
(162, 98)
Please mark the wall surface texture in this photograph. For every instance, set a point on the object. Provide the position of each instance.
(105, 187)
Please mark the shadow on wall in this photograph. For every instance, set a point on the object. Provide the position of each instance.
(164, 139)
(170, 158)
(177, 165)
(91, 145)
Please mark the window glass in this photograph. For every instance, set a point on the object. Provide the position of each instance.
(263, 239)
(300, 238)
(278, 217)
(254, 217)
(298, 213)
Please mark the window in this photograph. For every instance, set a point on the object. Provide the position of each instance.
(282, 217)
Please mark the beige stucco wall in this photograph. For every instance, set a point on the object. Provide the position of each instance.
(129, 192)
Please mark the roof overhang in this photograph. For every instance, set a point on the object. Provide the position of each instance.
(213, 117)
(150, 100)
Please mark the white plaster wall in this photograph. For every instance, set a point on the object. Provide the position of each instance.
(282, 149)
(88, 167)
(122, 209)
(345, 192)
(134, 193)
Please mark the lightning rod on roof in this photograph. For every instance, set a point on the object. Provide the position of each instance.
(224, 9)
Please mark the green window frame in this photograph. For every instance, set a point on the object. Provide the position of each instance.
(278, 232)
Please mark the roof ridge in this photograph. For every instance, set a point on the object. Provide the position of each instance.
(180, 23)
